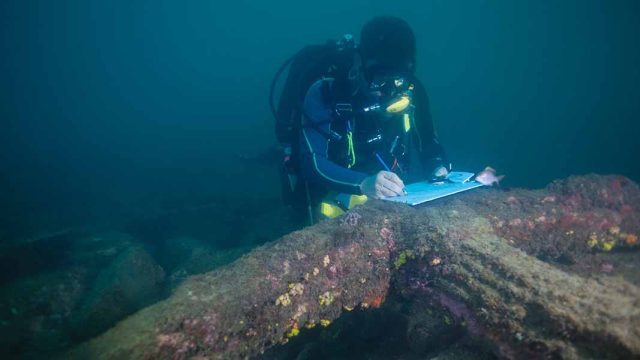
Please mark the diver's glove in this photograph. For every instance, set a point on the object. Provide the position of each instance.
(382, 184)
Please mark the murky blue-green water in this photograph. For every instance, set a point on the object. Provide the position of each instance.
(123, 126)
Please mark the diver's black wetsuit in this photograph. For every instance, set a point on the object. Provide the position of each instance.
(324, 167)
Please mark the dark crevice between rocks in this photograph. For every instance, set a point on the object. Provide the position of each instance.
(402, 328)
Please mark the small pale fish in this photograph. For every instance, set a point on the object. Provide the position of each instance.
(488, 177)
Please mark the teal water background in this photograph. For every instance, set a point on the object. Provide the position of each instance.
(112, 108)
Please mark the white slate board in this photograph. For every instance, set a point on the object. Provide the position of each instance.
(421, 192)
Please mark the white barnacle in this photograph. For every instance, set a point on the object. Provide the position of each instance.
(326, 261)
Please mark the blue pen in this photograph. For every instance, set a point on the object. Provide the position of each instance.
(382, 162)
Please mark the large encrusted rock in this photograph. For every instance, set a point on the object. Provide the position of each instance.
(510, 266)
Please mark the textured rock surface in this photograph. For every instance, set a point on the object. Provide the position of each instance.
(188, 256)
(130, 282)
(42, 300)
(512, 266)
(35, 312)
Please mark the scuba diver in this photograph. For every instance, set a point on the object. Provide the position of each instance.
(352, 120)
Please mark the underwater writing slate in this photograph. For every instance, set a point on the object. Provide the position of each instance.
(421, 192)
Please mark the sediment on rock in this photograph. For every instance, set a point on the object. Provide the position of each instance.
(490, 258)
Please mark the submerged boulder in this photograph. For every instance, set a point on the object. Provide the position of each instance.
(54, 274)
(132, 281)
(35, 312)
(186, 256)
(99, 250)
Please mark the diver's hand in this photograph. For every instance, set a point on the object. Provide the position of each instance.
(382, 184)
(439, 173)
